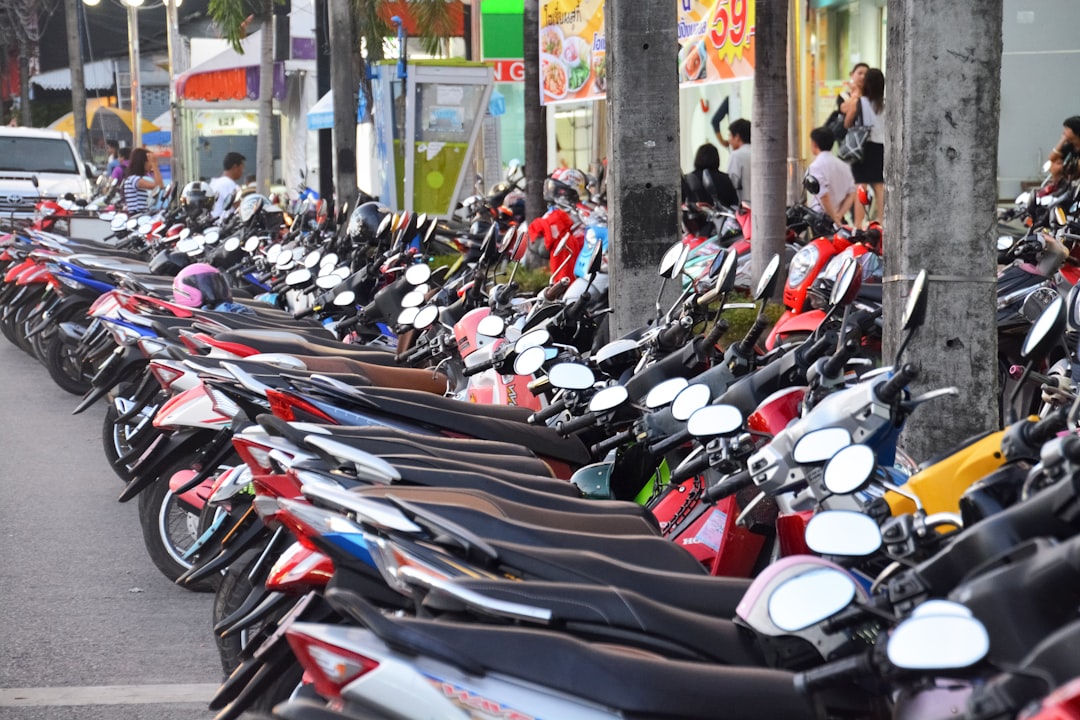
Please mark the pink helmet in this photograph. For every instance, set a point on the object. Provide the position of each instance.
(200, 285)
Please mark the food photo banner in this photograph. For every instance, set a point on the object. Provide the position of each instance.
(716, 44)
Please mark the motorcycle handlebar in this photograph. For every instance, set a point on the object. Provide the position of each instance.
(890, 390)
(553, 292)
(579, 423)
(542, 416)
(300, 315)
(574, 312)
(601, 448)
(810, 680)
(834, 366)
(720, 327)
(471, 370)
(687, 470)
(669, 443)
(729, 486)
(671, 336)
(1046, 428)
(746, 345)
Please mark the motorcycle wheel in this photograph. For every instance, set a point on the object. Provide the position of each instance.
(115, 439)
(66, 368)
(20, 320)
(233, 590)
(40, 343)
(169, 530)
(7, 327)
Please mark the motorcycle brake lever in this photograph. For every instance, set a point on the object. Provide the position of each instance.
(928, 396)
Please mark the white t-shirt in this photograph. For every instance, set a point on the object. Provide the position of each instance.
(739, 171)
(835, 178)
(874, 121)
(222, 186)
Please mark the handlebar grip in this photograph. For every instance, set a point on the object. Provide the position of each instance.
(888, 391)
(1046, 428)
(729, 486)
(669, 443)
(581, 422)
(348, 322)
(542, 416)
(471, 370)
(746, 345)
(687, 470)
(720, 327)
(574, 311)
(304, 313)
(834, 366)
(708, 298)
(818, 349)
(671, 336)
(553, 292)
(810, 680)
(602, 448)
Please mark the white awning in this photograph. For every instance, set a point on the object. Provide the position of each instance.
(321, 114)
(97, 75)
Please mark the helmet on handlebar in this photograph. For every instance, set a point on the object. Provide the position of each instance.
(364, 222)
(196, 197)
(565, 184)
(200, 285)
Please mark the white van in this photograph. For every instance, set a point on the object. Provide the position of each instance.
(38, 164)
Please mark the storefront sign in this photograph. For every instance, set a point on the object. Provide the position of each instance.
(508, 70)
(716, 40)
(215, 123)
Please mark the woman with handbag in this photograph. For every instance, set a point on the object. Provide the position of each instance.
(853, 84)
(867, 108)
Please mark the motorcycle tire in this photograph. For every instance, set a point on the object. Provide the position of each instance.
(65, 367)
(21, 318)
(7, 327)
(115, 438)
(168, 530)
(233, 590)
(39, 343)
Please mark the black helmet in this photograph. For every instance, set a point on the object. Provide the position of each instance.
(364, 222)
(196, 197)
(168, 262)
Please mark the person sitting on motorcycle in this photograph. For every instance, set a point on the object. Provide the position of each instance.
(1068, 148)
(837, 193)
(707, 159)
(203, 286)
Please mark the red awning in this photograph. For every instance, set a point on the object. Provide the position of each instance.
(229, 75)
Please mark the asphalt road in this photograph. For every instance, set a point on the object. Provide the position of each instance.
(89, 628)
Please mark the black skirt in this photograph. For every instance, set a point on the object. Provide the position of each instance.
(872, 168)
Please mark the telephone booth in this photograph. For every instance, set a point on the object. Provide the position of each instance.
(428, 115)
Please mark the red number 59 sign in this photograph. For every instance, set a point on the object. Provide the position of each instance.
(730, 23)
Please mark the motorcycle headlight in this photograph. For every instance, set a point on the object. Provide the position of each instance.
(800, 266)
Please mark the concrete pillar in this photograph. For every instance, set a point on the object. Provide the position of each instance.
(643, 186)
(942, 108)
(344, 85)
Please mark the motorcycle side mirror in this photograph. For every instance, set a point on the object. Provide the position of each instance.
(426, 317)
(820, 445)
(608, 399)
(915, 308)
(298, 277)
(131, 224)
(665, 392)
(669, 260)
(185, 233)
(941, 607)
(407, 316)
(767, 282)
(571, 376)
(1023, 198)
(513, 167)
(232, 244)
(488, 245)
(345, 298)
(251, 244)
(212, 236)
(843, 532)
(507, 240)
(312, 259)
(717, 263)
(847, 283)
(809, 598)
(1046, 331)
(947, 641)
(329, 260)
(715, 421)
(325, 282)
(491, 325)
(729, 270)
(689, 401)
(849, 470)
(418, 274)
(284, 261)
(118, 222)
(343, 272)
(529, 360)
(596, 260)
(1046, 166)
(810, 184)
(384, 225)
(534, 338)
(273, 253)
(1074, 308)
(421, 219)
(1004, 242)
(708, 182)
(864, 196)
(188, 245)
(412, 299)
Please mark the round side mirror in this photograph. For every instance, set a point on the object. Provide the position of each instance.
(728, 273)
(1004, 242)
(767, 282)
(843, 532)
(185, 233)
(417, 274)
(284, 261)
(329, 260)
(820, 445)
(412, 299)
(212, 236)
(345, 299)
(915, 308)
(325, 282)
(849, 470)
(669, 260)
(665, 392)
(384, 224)
(809, 598)
(715, 421)
(251, 244)
(407, 316)
(272, 253)
(1046, 331)
(938, 642)
(529, 360)
(312, 259)
(847, 282)
(232, 244)
(188, 245)
(571, 376)
(534, 338)
(426, 317)
(810, 184)
(507, 240)
(689, 401)
(491, 325)
(298, 277)
(608, 399)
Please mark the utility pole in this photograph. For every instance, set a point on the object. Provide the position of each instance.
(940, 179)
(178, 63)
(264, 141)
(136, 83)
(322, 86)
(78, 79)
(343, 85)
(769, 134)
(643, 108)
(536, 149)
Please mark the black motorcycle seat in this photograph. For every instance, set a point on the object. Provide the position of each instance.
(388, 451)
(712, 638)
(390, 440)
(635, 683)
(576, 534)
(293, 343)
(692, 590)
(436, 471)
(490, 422)
(476, 499)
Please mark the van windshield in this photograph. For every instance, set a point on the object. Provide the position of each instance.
(36, 155)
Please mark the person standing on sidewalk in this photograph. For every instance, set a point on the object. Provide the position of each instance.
(739, 163)
(868, 105)
(142, 177)
(836, 192)
(227, 183)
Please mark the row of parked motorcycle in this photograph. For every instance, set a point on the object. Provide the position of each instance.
(480, 506)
